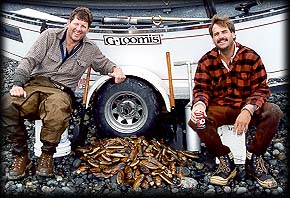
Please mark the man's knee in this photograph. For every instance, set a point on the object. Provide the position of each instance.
(6, 103)
(276, 110)
(272, 112)
(9, 113)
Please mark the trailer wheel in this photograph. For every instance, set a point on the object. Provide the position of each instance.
(125, 109)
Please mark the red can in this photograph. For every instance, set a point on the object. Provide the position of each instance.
(200, 120)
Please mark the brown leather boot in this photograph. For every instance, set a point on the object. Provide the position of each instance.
(255, 167)
(225, 171)
(45, 165)
(20, 165)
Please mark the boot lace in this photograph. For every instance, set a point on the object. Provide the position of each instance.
(260, 165)
(223, 166)
(45, 160)
(17, 162)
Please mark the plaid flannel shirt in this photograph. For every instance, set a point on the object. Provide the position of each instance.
(245, 82)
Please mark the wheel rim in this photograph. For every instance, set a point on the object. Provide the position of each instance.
(126, 112)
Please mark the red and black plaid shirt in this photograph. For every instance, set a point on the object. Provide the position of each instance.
(244, 83)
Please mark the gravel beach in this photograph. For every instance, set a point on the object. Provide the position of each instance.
(69, 182)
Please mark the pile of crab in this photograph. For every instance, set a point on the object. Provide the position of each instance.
(135, 161)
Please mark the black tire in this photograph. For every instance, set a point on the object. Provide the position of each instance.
(125, 109)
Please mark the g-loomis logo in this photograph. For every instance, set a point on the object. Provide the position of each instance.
(132, 40)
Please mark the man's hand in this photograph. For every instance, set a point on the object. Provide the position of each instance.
(197, 108)
(17, 91)
(118, 75)
(242, 122)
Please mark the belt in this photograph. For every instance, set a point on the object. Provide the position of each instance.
(59, 86)
(66, 89)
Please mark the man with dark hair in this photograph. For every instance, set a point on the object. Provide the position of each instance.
(231, 89)
(43, 88)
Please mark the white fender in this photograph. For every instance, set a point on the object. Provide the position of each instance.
(150, 77)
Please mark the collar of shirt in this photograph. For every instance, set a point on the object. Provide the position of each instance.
(65, 53)
(233, 56)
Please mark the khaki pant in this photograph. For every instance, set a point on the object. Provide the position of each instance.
(43, 101)
(266, 121)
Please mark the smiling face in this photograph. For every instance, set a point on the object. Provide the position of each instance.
(76, 30)
(222, 37)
